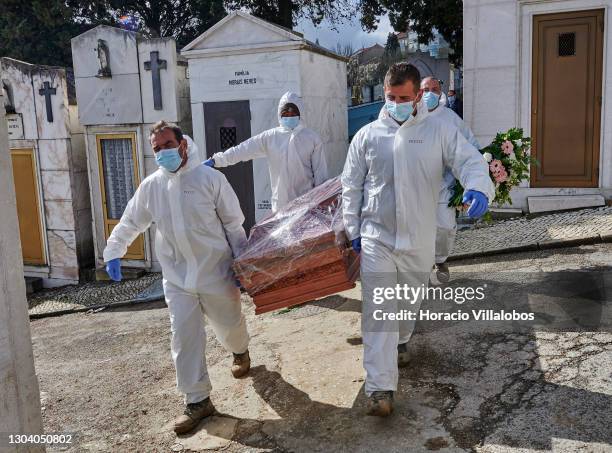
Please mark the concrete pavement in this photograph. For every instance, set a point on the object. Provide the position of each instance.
(109, 377)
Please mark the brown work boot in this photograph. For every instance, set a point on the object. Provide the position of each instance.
(403, 359)
(193, 415)
(380, 404)
(241, 365)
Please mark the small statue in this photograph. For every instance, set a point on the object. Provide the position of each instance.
(103, 59)
(7, 93)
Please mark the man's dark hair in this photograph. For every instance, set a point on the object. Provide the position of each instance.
(161, 125)
(290, 107)
(400, 73)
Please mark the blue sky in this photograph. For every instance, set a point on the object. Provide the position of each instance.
(347, 32)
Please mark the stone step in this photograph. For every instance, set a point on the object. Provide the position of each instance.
(128, 273)
(551, 203)
(505, 213)
(33, 284)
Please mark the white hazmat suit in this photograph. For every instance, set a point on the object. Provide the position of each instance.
(296, 156)
(199, 230)
(391, 183)
(446, 220)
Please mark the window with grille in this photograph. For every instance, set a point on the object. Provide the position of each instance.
(228, 137)
(567, 44)
(118, 169)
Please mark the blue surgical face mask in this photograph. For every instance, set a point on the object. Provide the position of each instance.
(401, 112)
(290, 122)
(170, 159)
(431, 99)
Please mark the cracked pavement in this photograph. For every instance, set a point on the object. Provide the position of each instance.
(108, 376)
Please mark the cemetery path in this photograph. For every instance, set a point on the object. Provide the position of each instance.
(108, 378)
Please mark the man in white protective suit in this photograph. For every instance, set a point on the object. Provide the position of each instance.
(199, 230)
(446, 229)
(391, 183)
(295, 153)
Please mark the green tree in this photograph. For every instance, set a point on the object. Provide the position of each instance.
(184, 20)
(392, 46)
(287, 12)
(39, 31)
(423, 16)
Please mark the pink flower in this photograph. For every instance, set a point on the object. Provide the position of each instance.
(507, 147)
(495, 166)
(501, 176)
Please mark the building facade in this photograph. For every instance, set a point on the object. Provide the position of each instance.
(50, 171)
(545, 66)
(239, 69)
(125, 83)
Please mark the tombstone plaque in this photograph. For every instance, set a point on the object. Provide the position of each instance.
(15, 126)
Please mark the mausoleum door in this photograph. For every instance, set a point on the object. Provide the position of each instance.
(119, 178)
(28, 206)
(227, 124)
(566, 98)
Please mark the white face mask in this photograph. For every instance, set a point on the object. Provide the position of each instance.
(290, 122)
(170, 159)
(400, 111)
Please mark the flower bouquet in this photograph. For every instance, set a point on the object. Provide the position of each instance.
(509, 161)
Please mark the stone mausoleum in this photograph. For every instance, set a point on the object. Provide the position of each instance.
(239, 69)
(50, 171)
(548, 67)
(124, 84)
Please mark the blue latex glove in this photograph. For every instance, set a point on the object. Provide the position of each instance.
(356, 243)
(113, 269)
(210, 163)
(478, 203)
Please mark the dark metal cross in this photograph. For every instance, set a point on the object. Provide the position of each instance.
(155, 65)
(47, 91)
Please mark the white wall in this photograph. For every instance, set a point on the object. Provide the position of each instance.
(497, 42)
(324, 94)
(489, 67)
(19, 394)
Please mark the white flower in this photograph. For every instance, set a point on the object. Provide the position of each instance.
(512, 156)
(488, 157)
(519, 143)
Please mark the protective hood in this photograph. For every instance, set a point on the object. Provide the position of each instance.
(291, 98)
(443, 100)
(192, 158)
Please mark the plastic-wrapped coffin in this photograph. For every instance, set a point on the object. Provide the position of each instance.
(300, 253)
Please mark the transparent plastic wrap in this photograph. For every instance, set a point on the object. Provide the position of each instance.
(299, 253)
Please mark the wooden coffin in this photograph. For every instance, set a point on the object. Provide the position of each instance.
(300, 253)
